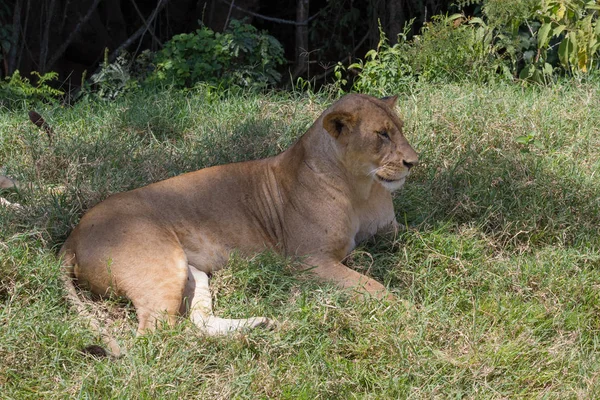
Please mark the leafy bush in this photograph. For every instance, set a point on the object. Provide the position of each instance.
(384, 70)
(529, 39)
(456, 48)
(113, 78)
(17, 89)
(449, 49)
(123, 75)
(240, 56)
(546, 38)
(576, 26)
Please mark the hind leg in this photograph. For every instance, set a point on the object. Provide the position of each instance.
(157, 297)
(199, 301)
(131, 256)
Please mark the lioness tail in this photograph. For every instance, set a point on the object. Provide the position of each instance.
(67, 277)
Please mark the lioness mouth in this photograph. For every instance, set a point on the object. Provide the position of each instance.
(386, 179)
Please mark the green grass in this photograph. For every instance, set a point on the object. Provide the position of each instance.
(498, 267)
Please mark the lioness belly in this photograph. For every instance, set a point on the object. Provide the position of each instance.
(118, 249)
(209, 250)
(207, 254)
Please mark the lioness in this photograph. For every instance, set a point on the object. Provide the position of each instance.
(157, 245)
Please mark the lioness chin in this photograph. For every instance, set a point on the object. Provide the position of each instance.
(157, 244)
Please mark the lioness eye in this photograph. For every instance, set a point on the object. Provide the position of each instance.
(384, 135)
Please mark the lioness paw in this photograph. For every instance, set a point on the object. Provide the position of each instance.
(214, 326)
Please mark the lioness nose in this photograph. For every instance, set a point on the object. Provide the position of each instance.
(410, 163)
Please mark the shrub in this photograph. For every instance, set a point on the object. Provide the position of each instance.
(544, 38)
(449, 49)
(576, 26)
(456, 48)
(240, 56)
(123, 75)
(529, 39)
(386, 69)
(16, 89)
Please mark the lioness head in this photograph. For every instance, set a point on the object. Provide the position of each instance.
(369, 135)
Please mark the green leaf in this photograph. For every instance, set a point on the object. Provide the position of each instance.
(592, 5)
(574, 52)
(558, 30)
(523, 139)
(542, 35)
(371, 53)
(528, 55)
(567, 51)
(476, 20)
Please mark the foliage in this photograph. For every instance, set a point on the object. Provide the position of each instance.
(509, 14)
(16, 89)
(123, 75)
(385, 69)
(449, 49)
(530, 39)
(240, 56)
(113, 78)
(577, 26)
(456, 48)
(544, 38)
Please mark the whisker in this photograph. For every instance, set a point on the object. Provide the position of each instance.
(373, 172)
(387, 167)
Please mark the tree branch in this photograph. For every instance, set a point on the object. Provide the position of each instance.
(146, 24)
(46, 37)
(301, 44)
(12, 54)
(23, 38)
(271, 19)
(231, 5)
(63, 47)
(64, 16)
(139, 32)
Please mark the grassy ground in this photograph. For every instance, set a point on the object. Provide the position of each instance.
(500, 259)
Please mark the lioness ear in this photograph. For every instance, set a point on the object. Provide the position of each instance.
(390, 101)
(338, 122)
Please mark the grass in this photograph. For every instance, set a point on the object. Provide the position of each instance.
(499, 264)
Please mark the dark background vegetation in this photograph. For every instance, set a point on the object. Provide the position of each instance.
(119, 44)
(70, 37)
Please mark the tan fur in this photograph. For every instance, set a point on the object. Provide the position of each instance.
(316, 200)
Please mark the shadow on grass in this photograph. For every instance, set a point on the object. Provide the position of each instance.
(81, 171)
(516, 198)
(485, 206)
